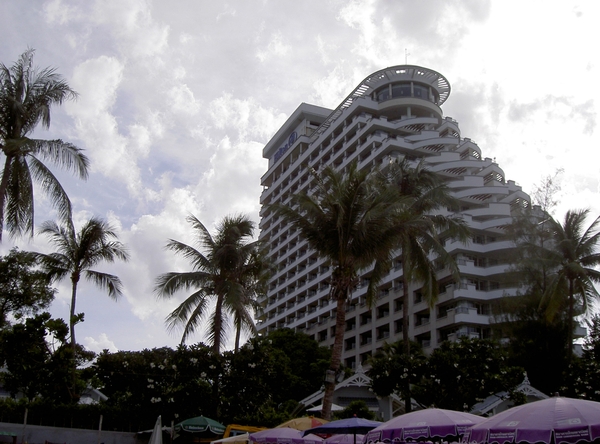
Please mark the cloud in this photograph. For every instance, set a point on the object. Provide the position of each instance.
(100, 344)
(555, 108)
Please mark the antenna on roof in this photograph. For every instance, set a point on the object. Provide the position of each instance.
(406, 54)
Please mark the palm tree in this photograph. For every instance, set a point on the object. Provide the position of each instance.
(422, 251)
(77, 253)
(26, 96)
(231, 272)
(576, 250)
(350, 220)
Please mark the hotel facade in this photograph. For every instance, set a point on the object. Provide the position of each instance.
(395, 113)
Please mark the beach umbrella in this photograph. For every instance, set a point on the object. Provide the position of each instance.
(347, 438)
(278, 435)
(354, 426)
(200, 424)
(342, 426)
(424, 425)
(308, 439)
(303, 423)
(237, 439)
(554, 420)
(156, 437)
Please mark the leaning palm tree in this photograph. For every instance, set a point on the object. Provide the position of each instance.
(421, 248)
(77, 253)
(26, 96)
(231, 273)
(350, 220)
(575, 248)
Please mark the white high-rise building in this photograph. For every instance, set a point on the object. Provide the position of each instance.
(393, 113)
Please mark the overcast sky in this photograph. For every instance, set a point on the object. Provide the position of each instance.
(178, 97)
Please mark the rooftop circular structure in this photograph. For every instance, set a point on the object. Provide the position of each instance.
(406, 73)
(397, 77)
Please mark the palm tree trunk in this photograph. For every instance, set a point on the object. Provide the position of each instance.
(218, 325)
(74, 281)
(336, 354)
(3, 189)
(405, 338)
(571, 322)
(238, 331)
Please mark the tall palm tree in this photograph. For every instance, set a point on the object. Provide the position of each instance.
(421, 249)
(231, 272)
(350, 220)
(575, 248)
(26, 96)
(77, 253)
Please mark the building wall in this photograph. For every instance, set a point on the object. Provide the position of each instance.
(39, 434)
(393, 114)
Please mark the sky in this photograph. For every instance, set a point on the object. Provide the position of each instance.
(177, 99)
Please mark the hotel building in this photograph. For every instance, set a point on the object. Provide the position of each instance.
(394, 113)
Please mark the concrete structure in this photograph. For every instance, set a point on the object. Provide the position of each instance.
(393, 114)
(35, 434)
(500, 402)
(358, 388)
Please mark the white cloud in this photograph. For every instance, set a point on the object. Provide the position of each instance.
(100, 344)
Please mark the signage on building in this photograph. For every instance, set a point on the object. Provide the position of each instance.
(285, 147)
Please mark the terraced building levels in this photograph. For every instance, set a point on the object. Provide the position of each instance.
(393, 113)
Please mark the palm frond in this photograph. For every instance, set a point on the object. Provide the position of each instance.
(106, 281)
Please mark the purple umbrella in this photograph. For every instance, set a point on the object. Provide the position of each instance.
(347, 438)
(308, 439)
(281, 435)
(424, 425)
(553, 420)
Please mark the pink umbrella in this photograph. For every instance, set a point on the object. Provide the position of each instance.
(553, 420)
(428, 424)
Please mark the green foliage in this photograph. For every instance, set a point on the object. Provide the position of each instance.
(455, 376)
(27, 95)
(176, 384)
(227, 276)
(536, 343)
(460, 374)
(582, 379)
(261, 384)
(308, 361)
(392, 368)
(77, 252)
(36, 367)
(24, 290)
(357, 409)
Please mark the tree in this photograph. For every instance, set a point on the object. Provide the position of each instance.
(536, 343)
(232, 272)
(24, 290)
(356, 409)
(460, 374)
(576, 250)
(422, 250)
(77, 253)
(26, 97)
(583, 377)
(350, 221)
(391, 367)
(34, 366)
(160, 381)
